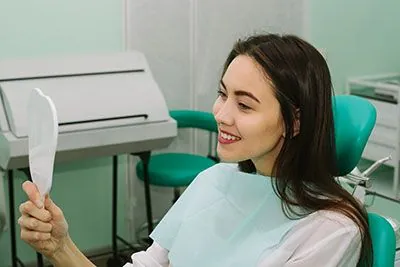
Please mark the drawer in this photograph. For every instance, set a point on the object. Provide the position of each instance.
(387, 114)
(384, 135)
(374, 152)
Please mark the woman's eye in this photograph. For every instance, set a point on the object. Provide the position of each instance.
(243, 106)
(221, 94)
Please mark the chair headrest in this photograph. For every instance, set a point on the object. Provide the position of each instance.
(354, 119)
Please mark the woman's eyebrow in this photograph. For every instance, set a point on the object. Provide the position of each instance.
(241, 93)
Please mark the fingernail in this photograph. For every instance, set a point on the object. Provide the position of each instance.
(39, 204)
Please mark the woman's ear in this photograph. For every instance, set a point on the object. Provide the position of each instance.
(296, 125)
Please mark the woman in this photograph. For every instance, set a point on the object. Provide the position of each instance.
(275, 120)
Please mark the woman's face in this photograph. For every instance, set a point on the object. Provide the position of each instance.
(249, 119)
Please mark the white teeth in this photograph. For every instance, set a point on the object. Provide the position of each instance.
(229, 137)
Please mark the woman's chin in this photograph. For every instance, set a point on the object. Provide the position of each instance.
(227, 158)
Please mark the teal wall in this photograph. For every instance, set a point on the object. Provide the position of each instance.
(360, 37)
(52, 27)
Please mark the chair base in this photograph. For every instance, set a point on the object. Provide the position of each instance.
(118, 262)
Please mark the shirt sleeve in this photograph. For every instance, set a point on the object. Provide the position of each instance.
(330, 246)
(154, 256)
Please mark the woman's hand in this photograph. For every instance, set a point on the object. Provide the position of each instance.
(43, 225)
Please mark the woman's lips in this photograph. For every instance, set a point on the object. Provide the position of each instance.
(227, 138)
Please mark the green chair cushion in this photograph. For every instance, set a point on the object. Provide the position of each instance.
(195, 119)
(354, 119)
(383, 240)
(174, 169)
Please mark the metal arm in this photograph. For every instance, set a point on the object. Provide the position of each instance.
(374, 166)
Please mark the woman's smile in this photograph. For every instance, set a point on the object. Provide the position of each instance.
(227, 138)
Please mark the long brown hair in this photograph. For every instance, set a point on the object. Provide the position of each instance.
(306, 165)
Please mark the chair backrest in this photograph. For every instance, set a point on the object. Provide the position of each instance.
(198, 120)
(354, 119)
(195, 119)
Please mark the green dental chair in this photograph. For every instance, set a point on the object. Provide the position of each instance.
(178, 170)
(354, 119)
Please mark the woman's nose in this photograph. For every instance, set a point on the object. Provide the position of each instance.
(223, 114)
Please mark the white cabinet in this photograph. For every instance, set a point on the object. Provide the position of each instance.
(397, 263)
(2, 205)
(383, 91)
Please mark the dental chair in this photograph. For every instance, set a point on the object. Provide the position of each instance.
(354, 119)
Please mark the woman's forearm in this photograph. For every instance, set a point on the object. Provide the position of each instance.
(70, 256)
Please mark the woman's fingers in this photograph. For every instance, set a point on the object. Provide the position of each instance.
(54, 210)
(29, 209)
(33, 224)
(33, 193)
(33, 236)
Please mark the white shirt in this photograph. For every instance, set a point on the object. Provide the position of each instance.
(323, 238)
